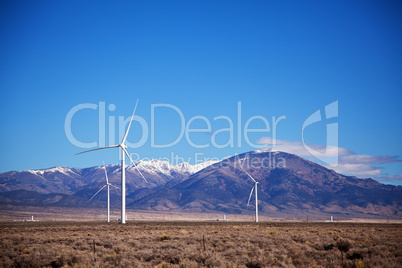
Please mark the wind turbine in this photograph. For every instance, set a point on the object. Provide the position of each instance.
(123, 169)
(108, 193)
(252, 189)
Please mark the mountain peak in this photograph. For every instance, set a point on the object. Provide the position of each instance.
(155, 166)
(65, 170)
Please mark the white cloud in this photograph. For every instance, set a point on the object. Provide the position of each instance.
(299, 149)
(363, 158)
(359, 170)
(391, 178)
(349, 163)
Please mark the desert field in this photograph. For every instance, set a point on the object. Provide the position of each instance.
(199, 244)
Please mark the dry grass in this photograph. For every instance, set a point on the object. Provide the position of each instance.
(181, 244)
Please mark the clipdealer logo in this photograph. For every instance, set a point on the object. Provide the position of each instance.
(186, 128)
(237, 130)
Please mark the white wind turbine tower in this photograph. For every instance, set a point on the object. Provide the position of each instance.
(108, 193)
(256, 195)
(123, 169)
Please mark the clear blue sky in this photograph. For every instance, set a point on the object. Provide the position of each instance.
(278, 58)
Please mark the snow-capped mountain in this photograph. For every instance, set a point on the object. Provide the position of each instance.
(294, 186)
(157, 166)
(44, 181)
(66, 171)
(80, 180)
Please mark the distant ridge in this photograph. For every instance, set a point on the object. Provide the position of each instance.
(292, 186)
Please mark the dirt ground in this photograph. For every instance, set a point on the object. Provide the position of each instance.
(199, 244)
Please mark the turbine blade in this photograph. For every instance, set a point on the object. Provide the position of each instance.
(134, 164)
(252, 189)
(98, 192)
(248, 174)
(114, 186)
(129, 125)
(113, 146)
(116, 189)
(107, 180)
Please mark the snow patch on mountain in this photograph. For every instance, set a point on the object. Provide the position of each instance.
(155, 166)
(203, 165)
(40, 172)
(265, 150)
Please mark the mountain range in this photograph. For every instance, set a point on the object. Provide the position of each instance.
(289, 185)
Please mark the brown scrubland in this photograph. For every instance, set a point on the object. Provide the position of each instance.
(200, 244)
